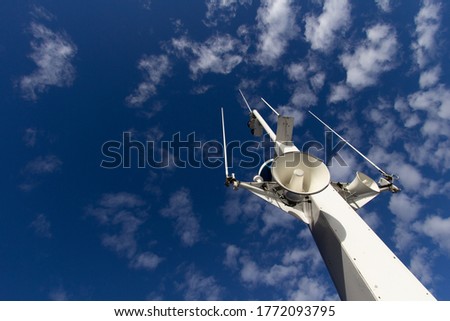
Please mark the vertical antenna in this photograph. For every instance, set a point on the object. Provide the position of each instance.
(273, 109)
(224, 145)
(248, 106)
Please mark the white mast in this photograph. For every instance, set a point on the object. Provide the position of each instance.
(361, 266)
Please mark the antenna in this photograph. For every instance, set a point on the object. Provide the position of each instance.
(248, 106)
(273, 109)
(224, 145)
(386, 175)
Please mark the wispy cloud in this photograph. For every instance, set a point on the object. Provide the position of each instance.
(384, 5)
(256, 213)
(438, 229)
(436, 101)
(53, 53)
(222, 10)
(277, 26)
(30, 137)
(427, 25)
(294, 277)
(146, 4)
(421, 265)
(197, 286)
(311, 289)
(41, 226)
(218, 54)
(308, 80)
(406, 208)
(321, 31)
(154, 69)
(180, 209)
(122, 214)
(59, 294)
(373, 56)
(232, 253)
(44, 165)
(39, 12)
(339, 92)
(429, 78)
(146, 260)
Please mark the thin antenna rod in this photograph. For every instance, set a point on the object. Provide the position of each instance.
(224, 145)
(248, 106)
(354, 148)
(273, 109)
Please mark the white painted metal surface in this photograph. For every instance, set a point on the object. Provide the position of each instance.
(361, 265)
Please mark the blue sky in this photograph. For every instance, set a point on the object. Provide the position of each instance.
(75, 75)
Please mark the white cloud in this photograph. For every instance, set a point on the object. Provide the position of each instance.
(201, 89)
(218, 54)
(427, 25)
(421, 265)
(371, 218)
(308, 80)
(433, 149)
(39, 12)
(296, 112)
(303, 97)
(310, 289)
(53, 53)
(375, 55)
(274, 275)
(231, 256)
(122, 215)
(44, 165)
(154, 69)
(430, 77)
(146, 260)
(339, 92)
(146, 4)
(409, 117)
(257, 214)
(317, 81)
(222, 10)
(123, 242)
(384, 122)
(250, 271)
(30, 137)
(297, 71)
(343, 172)
(59, 294)
(277, 26)
(121, 199)
(186, 222)
(240, 206)
(438, 229)
(276, 220)
(436, 101)
(384, 5)
(406, 208)
(286, 274)
(322, 31)
(411, 177)
(41, 226)
(309, 255)
(199, 287)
